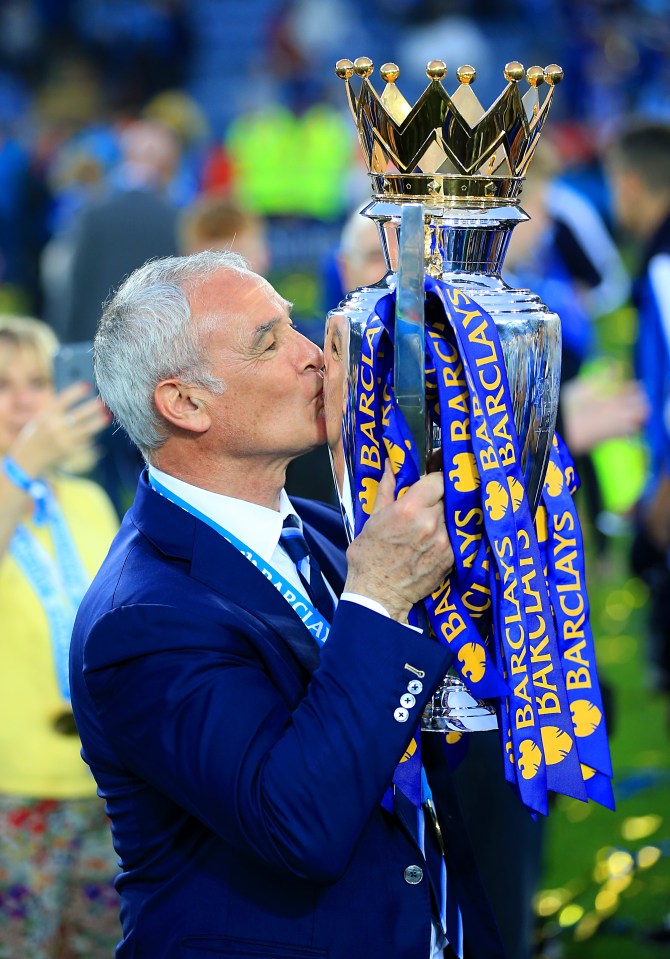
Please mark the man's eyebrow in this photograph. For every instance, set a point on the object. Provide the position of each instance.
(261, 331)
(267, 327)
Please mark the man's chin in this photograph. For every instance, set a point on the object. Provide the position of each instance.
(320, 440)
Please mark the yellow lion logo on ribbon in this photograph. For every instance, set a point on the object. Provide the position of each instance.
(395, 453)
(473, 658)
(368, 494)
(409, 752)
(530, 758)
(465, 475)
(516, 492)
(556, 744)
(497, 499)
(553, 482)
(585, 717)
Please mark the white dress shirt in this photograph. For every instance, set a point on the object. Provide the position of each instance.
(258, 527)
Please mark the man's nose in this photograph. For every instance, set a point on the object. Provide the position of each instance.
(313, 355)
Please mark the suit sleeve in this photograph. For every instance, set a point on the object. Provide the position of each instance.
(204, 724)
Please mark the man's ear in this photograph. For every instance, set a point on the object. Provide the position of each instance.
(182, 406)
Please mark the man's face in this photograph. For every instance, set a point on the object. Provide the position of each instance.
(272, 403)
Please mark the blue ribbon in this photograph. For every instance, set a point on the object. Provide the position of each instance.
(493, 611)
(566, 580)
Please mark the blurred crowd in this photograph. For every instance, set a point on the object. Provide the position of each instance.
(132, 129)
(246, 102)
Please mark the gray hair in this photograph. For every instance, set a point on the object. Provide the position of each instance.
(145, 335)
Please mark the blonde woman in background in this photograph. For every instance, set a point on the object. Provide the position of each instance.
(56, 858)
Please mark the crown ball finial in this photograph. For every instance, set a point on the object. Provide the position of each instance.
(535, 76)
(389, 72)
(363, 66)
(466, 74)
(514, 71)
(344, 69)
(436, 69)
(553, 74)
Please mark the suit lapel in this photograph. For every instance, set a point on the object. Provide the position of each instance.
(223, 569)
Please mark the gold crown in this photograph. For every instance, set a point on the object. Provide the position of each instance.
(446, 148)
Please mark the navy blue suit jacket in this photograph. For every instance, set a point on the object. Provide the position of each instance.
(243, 768)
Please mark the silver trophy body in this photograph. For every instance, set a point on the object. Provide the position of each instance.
(466, 249)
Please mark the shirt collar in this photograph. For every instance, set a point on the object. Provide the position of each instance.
(258, 527)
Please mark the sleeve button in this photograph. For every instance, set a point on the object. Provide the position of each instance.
(413, 875)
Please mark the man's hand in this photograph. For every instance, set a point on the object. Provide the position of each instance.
(403, 552)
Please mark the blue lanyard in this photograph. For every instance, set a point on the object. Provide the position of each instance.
(311, 617)
(59, 582)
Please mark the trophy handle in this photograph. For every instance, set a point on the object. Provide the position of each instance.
(409, 347)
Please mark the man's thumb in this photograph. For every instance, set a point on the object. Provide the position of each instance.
(386, 489)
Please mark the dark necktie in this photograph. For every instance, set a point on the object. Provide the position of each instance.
(308, 569)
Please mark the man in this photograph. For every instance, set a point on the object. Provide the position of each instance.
(243, 761)
(639, 175)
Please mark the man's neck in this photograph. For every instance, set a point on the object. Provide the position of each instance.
(254, 482)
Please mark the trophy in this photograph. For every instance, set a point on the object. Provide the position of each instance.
(446, 179)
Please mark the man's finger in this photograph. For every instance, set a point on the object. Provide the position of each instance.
(429, 490)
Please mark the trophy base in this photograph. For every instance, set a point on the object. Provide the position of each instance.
(453, 709)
